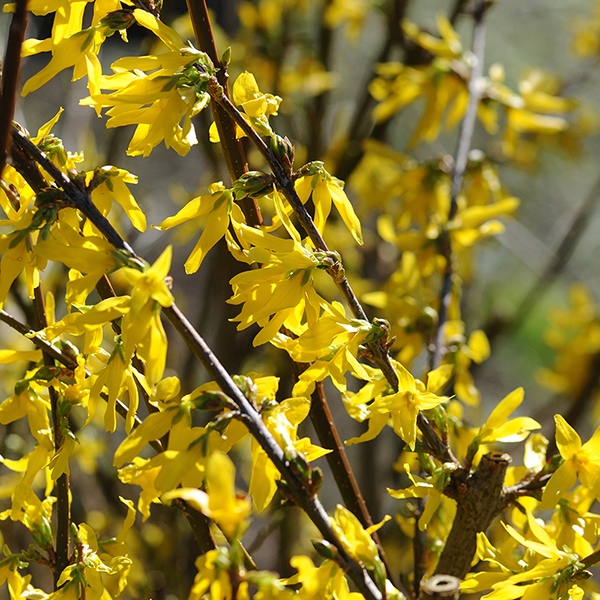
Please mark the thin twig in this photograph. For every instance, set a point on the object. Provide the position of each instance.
(63, 513)
(462, 154)
(77, 196)
(253, 421)
(10, 78)
(233, 150)
(591, 560)
(457, 10)
(65, 359)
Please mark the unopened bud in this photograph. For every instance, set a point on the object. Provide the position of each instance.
(118, 20)
(326, 549)
(282, 148)
(254, 184)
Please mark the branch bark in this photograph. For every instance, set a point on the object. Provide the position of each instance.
(479, 498)
(63, 512)
(10, 78)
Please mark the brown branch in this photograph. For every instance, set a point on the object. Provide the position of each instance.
(309, 502)
(306, 498)
(65, 359)
(10, 78)
(591, 560)
(233, 151)
(63, 512)
(479, 499)
(457, 10)
(436, 348)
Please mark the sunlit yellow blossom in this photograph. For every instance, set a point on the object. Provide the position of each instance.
(498, 429)
(332, 345)
(581, 461)
(220, 502)
(160, 94)
(89, 254)
(213, 577)
(325, 581)
(111, 186)
(357, 541)
(282, 421)
(443, 83)
(401, 407)
(325, 189)
(257, 107)
(421, 488)
(281, 291)
(527, 583)
(218, 206)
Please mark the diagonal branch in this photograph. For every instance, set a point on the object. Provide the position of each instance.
(286, 185)
(10, 78)
(63, 511)
(436, 348)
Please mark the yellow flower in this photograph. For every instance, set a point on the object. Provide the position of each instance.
(581, 461)
(282, 421)
(333, 344)
(108, 184)
(498, 429)
(156, 92)
(401, 407)
(281, 291)
(352, 13)
(448, 46)
(218, 206)
(421, 488)
(257, 107)
(357, 541)
(324, 189)
(220, 503)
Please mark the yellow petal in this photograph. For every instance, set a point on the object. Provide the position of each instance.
(567, 439)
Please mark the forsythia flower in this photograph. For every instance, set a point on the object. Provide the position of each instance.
(550, 567)
(69, 44)
(172, 84)
(401, 407)
(498, 429)
(421, 488)
(581, 461)
(219, 207)
(282, 421)
(281, 291)
(333, 344)
(257, 107)
(444, 85)
(220, 503)
(326, 189)
(357, 541)
(142, 325)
